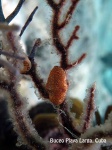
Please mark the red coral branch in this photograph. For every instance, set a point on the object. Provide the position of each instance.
(74, 36)
(52, 4)
(57, 41)
(68, 14)
(88, 110)
(33, 72)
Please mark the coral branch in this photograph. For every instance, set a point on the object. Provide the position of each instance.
(57, 41)
(33, 72)
(74, 36)
(13, 41)
(37, 81)
(15, 12)
(88, 110)
(37, 44)
(52, 4)
(2, 18)
(28, 21)
(25, 129)
(61, 3)
(10, 37)
(21, 120)
(69, 14)
(80, 59)
(11, 69)
(11, 55)
(67, 121)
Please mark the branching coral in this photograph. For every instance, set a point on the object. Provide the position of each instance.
(18, 63)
